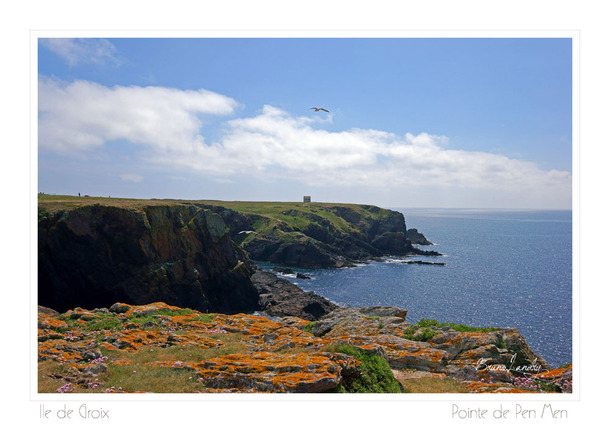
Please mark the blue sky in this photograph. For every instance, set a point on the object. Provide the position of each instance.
(439, 122)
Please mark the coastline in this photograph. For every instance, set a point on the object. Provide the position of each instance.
(189, 257)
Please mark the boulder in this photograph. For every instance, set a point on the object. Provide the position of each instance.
(279, 297)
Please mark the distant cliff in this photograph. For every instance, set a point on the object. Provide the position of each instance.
(317, 235)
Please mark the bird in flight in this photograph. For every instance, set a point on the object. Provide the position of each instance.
(319, 109)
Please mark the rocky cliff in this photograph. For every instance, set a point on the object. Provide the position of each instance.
(95, 251)
(92, 255)
(318, 235)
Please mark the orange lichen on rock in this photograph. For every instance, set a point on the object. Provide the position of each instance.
(455, 343)
(246, 324)
(62, 350)
(271, 372)
(553, 374)
(46, 321)
(281, 338)
(250, 353)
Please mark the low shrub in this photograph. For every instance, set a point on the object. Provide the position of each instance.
(375, 373)
(426, 323)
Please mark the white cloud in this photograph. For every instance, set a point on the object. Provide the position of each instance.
(83, 115)
(275, 145)
(82, 51)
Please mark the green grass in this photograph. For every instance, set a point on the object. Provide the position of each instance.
(424, 335)
(158, 379)
(428, 330)
(105, 321)
(309, 327)
(427, 323)
(432, 385)
(206, 318)
(295, 214)
(375, 373)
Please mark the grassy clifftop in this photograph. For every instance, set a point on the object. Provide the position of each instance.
(294, 213)
(288, 233)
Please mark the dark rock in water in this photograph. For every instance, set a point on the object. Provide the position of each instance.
(279, 297)
(422, 262)
(418, 252)
(417, 238)
(94, 256)
(283, 270)
(303, 276)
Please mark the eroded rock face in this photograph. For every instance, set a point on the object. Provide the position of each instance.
(318, 243)
(95, 255)
(279, 297)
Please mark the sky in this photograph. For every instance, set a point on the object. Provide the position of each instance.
(412, 122)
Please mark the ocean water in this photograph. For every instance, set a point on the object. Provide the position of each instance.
(502, 268)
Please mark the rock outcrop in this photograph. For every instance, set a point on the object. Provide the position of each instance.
(320, 235)
(279, 297)
(180, 254)
(247, 353)
(416, 237)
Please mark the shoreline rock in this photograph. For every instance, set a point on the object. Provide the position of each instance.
(288, 355)
(279, 297)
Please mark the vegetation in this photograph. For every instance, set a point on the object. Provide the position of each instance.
(375, 373)
(412, 333)
(431, 323)
(432, 385)
(309, 327)
(425, 329)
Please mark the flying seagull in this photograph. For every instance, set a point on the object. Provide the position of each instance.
(319, 109)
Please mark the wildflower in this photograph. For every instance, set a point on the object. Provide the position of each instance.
(65, 388)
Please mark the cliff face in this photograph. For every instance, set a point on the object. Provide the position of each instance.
(95, 255)
(317, 235)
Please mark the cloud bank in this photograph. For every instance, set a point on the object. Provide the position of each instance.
(83, 116)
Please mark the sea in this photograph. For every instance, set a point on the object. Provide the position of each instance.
(503, 268)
